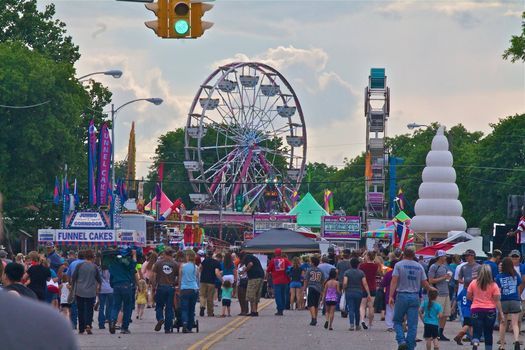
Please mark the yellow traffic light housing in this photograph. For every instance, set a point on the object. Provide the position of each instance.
(160, 26)
(198, 26)
(179, 18)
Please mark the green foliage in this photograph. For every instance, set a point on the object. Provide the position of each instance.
(516, 51)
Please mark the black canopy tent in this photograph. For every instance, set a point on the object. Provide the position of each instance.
(287, 240)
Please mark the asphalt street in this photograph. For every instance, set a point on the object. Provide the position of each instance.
(264, 332)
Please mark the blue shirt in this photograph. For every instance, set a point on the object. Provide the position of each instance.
(188, 279)
(464, 303)
(430, 316)
(509, 286)
(493, 268)
(227, 270)
(73, 266)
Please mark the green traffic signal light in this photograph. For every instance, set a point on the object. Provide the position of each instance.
(181, 27)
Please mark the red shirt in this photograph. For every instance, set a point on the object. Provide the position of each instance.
(370, 270)
(277, 268)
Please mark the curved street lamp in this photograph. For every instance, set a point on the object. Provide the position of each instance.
(412, 126)
(154, 100)
(115, 73)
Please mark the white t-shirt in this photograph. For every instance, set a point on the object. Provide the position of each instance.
(456, 276)
(64, 293)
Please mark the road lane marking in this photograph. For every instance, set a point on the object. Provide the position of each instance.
(213, 338)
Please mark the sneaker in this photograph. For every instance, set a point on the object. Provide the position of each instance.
(351, 328)
(279, 313)
(475, 345)
(125, 331)
(330, 329)
(186, 330)
(254, 314)
(365, 327)
(403, 346)
(201, 313)
(390, 329)
(443, 338)
(112, 327)
(88, 330)
(158, 326)
(167, 331)
(358, 328)
(313, 322)
(326, 325)
(517, 345)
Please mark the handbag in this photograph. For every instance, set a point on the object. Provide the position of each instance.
(342, 302)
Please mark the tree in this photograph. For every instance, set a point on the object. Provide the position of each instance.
(516, 51)
(36, 65)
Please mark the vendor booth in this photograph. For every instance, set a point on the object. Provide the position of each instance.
(287, 240)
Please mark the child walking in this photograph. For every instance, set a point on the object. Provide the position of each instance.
(65, 289)
(141, 298)
(330, 294)
(227, 291)
(464, 304)
(430, 312)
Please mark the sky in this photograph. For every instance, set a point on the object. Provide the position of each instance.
(442, 59)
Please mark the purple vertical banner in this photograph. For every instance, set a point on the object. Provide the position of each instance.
(92, 162)
(104, 165)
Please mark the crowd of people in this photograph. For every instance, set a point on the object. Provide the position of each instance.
(396, 285)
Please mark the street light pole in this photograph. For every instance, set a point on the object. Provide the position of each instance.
(155, 100)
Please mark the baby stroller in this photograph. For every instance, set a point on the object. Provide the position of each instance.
(177, 323)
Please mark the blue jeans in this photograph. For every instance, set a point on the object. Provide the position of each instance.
(164, 305)
(122, 299)
(105, 303)
(483, 323)
(188, 299)
(287, 296)
(353, 302)
(280, 296)
(406, 304)
(74, 315)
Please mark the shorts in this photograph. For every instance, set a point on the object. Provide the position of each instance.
(65, 305)
(313, 298)
(254, 290)
(467, 321)
(230, 278)
(226, 302)
(511, 306)
(330, 302)
(444, 301)
(295, 284)
(431, 331)
(372, 294)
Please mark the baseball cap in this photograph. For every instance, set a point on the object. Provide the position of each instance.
(470, 252)
(440, 253)
(278, 251)
(515, 252)
(3, 254)
(201, 252)
(50, 244)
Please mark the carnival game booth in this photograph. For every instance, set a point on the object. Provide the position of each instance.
(287, 240)
(396, 231)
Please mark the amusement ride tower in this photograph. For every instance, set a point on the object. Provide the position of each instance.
(377, 109)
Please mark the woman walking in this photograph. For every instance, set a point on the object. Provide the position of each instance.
(510, 285)
(147, 271)
(485, 296)
(296, 284)
(229, 272)
(85, 280)
(189, 291)
(354, 283)
(370, 269)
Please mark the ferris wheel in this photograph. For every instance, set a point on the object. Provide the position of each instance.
(245, 140)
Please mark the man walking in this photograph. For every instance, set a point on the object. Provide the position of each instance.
(122, 279)
(407, 279)
(210, 270)
(439, 276)
(469, 271)
(164, 278)
(341, 268)
(277, 269)
(255, 282)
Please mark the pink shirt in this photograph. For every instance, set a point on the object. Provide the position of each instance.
(483, 299)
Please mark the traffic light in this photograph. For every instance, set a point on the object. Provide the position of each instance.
(198, 26)
(160, 26)
(179, 19)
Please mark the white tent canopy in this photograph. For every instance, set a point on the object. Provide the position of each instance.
(456, 237)
(476, 244)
